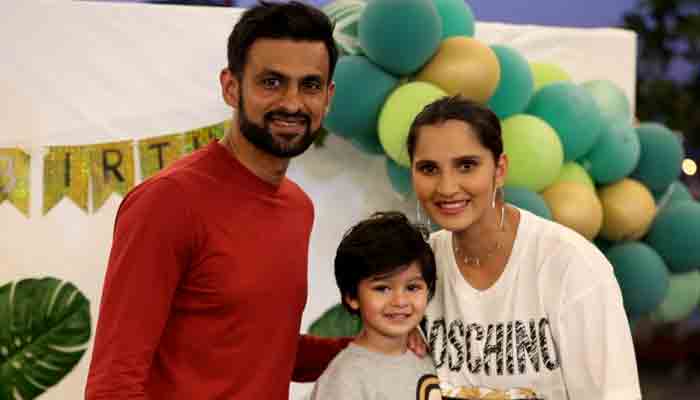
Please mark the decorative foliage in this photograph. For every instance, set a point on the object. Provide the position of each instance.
(44, 331)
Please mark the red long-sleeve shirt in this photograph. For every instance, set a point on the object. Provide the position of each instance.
(205, 287)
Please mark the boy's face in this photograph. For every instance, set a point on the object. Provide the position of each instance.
(391, 306)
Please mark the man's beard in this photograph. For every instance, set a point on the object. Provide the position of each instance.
(263, 139)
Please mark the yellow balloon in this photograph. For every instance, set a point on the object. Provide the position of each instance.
(463, 65)
(628, 210)
(546, 73)
(575, 205)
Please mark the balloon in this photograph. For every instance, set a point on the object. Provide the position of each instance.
(642, 275)
(661, 156)
(515, 86)
(527, 200)
(616, 153)
(535, 154)
(681, 299)
(676, 191)
(674, 234)
(628, 210)
(361, 89)
(397, 115)
(367, 144)
(576, 206)
(611, 100)
(400, 178)
(345, 14)
(573, 114)
(400, 35)
(465, 66)
(457, 18)
(545, 73)
(574, 172)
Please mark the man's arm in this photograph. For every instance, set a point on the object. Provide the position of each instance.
(149, 253)
(314, 353)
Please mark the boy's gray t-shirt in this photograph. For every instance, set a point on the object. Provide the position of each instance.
(360, 374)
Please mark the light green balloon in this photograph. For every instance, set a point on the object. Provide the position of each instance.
(573, 172)
(546, 73)
(397, 115)
(535, 154)
(681, 299)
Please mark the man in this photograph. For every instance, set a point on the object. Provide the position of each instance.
(207, 277)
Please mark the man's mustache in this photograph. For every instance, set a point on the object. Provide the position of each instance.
(278, 114)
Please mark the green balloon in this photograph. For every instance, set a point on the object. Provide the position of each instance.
(573, 114)
(336, 322)
(674, 234)
(368, 144)
(642, 275)
(515, 88)
(400, 35)
(527, 200)
(675, 192)
(397, 115)
(573, 172)
(361, 89)
(616, 153)
(545, 73)
(457, 18)
(682, 298)
(345, 14)
(661, 156)
(399, 177)
(535, 153)
(611, 100)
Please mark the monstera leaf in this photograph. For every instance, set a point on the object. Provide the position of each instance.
(44, 331)
(336, 322)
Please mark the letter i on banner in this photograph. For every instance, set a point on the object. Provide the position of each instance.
(157, 153)
(14, 178)
(112, 168)
(66, 173)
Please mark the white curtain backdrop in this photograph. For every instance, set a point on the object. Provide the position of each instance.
(76, 73)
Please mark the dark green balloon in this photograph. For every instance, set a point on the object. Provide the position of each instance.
(516, 86)
(367, 144)
(400, 178)
(675, 234)
(457, 18)
(675, 192)
(527, 200)
(360, 90)
(616, 153)
(642, 275)
(400, 35)
(661, 156)
(611, 100)
(573, 114)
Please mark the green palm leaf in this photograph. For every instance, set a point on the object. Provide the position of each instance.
(336, 322)
(44, 331)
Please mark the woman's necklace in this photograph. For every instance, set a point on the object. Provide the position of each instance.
(476, 260)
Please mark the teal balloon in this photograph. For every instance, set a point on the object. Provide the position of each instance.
(400, 35)
(400, 178)
(642, 275)
(573, 114)
(360, 90)
(675, 192)
(367, 144)
(602, 244)
(674, 234)
(516, 86)
(610, 98)
(457, 18)
(661, 156)
(681, 299)
(616, 153)
(527, 200)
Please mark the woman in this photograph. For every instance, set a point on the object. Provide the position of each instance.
(524, 307)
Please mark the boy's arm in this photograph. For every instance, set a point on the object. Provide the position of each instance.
(314, 353)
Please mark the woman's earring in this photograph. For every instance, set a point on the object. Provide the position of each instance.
(493, 200)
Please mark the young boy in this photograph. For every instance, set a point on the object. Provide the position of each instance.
(385, 271)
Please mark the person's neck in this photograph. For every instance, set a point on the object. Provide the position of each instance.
(378, 343)
(480, 238)
(267, 167)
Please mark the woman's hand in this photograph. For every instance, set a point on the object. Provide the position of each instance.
(416, 343)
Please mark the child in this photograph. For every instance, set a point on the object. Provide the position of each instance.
(385, 271)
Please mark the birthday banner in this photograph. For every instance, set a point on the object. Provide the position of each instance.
(99, 170)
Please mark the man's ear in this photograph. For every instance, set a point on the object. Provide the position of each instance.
(230, 87)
